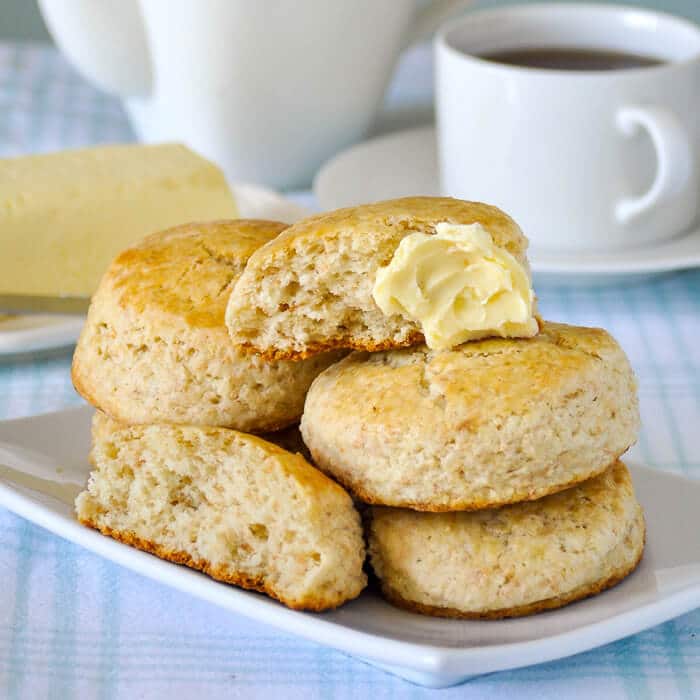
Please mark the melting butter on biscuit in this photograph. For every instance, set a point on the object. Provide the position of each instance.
(458, 285)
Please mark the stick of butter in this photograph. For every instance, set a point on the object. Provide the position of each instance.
(64, 216)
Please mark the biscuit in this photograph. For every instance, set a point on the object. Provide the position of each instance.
(289, 439)
(155, 348)
(231, 505)
(311, 289)
(485, 424)
(512, 561)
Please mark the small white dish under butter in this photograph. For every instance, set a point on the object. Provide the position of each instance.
(43, 466)
(405, 163)
(28, 334)
(22, 335)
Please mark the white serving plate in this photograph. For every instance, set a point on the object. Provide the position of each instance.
(405, 163)
(43, 465)
(21, 335)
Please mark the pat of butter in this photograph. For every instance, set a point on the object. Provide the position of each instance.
(64, 216)
(458, 285)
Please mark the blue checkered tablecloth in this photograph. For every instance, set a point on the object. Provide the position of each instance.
(74, 625)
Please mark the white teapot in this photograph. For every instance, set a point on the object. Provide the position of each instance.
(268, 89)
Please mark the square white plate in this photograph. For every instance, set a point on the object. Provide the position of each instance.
(43, 465)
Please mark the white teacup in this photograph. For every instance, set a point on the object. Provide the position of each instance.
(583, 160)
(268, 90)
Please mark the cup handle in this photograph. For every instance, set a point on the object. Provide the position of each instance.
(675, 166)
(431, 17)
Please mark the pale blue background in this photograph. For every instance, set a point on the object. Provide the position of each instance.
(20, 19)
(74, 626)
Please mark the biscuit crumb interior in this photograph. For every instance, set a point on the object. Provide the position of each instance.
(310, 289)
(240, 509)
(299, 305)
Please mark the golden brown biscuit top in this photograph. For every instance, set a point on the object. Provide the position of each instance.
(472, 383)
(408, 215)
(187, 271)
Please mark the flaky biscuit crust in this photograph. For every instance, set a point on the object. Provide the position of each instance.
(512, 561)
(485, 424)
(155, 347)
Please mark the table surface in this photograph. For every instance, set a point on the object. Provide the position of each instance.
(75, 625)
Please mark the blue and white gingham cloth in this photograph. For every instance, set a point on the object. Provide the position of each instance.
(73, 625)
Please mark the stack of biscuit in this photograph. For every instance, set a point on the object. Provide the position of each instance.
(485, 441)
(189, 433)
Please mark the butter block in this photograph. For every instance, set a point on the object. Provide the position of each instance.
(458, 285)
(64, 216)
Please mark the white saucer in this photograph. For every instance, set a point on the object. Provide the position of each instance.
(43, 465)
(24, 335)
(405, 163)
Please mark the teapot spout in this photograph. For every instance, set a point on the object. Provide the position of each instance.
(105, 41)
